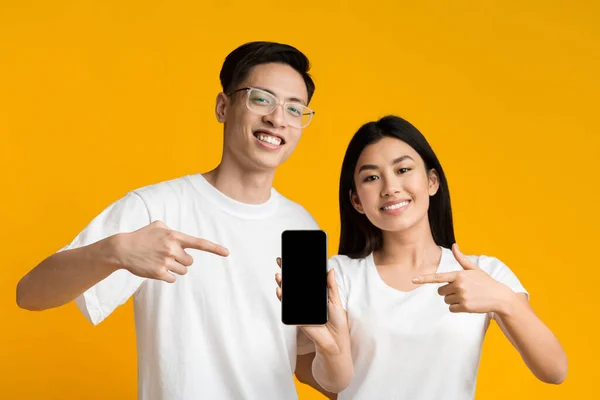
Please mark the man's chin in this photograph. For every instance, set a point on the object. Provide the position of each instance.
(266, 164)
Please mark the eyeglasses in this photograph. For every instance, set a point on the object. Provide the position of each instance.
(264, 103)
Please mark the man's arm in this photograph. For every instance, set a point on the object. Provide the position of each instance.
(154, 252)
(64, 276)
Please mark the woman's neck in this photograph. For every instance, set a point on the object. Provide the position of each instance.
(413, 248)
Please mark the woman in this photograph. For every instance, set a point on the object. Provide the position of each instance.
(417, 308)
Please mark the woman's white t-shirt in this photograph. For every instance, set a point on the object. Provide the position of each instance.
(408, 345)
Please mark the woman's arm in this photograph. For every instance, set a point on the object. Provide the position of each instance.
(331, 367)
(304, 374)
(473, 290)
(539, 348)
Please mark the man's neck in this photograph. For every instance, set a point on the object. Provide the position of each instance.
(249, 187)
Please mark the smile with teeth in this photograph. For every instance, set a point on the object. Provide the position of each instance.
(395, 206)
(268, 139)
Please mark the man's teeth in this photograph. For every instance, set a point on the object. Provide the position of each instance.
(269, 139)
(396, 206)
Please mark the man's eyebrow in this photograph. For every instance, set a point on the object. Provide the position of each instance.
(294, 99)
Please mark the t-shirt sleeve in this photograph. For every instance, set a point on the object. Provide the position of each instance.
(125, 215)
(502, 273)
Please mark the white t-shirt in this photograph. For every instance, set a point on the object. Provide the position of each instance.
(408, 345)
(217, 332)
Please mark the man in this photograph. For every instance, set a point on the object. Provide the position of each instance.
(197, 253)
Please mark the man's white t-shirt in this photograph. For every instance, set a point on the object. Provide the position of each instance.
(408, 345)
(217, 332)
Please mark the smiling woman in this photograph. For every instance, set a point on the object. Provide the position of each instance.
(377, 153)
(410, 338)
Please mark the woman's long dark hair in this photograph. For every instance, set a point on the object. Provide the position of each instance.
(358, 236)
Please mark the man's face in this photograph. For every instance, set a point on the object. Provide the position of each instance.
(262, 142)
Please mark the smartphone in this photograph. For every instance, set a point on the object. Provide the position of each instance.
(304, 277)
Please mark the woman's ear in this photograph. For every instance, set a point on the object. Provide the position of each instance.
(434, 181)
(221, 107)
(356, 202)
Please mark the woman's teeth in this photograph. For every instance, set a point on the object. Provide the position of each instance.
(395, 206)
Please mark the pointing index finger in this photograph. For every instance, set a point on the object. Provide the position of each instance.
(445, 277)
(192, 242)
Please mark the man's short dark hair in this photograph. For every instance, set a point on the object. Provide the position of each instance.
(240, 61)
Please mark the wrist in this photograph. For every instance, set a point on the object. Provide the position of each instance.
(112, 252)
(333, 372)
(507, 304)
(328, 350)
(336, 348)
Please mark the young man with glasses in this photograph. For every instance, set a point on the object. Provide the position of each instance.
(197, 252)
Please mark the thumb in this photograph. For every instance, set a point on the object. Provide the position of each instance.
(462, 259)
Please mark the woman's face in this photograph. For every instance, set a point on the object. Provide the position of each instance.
(392, 185)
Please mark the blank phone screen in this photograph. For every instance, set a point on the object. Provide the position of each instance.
(304, 277)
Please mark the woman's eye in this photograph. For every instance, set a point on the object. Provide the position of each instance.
(403, 170)
(371, 178)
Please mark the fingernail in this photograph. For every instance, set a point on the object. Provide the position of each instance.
(415, 280)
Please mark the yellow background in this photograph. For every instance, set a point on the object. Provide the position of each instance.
(100, 97)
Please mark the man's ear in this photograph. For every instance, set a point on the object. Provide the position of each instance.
(356, 202)
(434, 181)
(221, 107)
